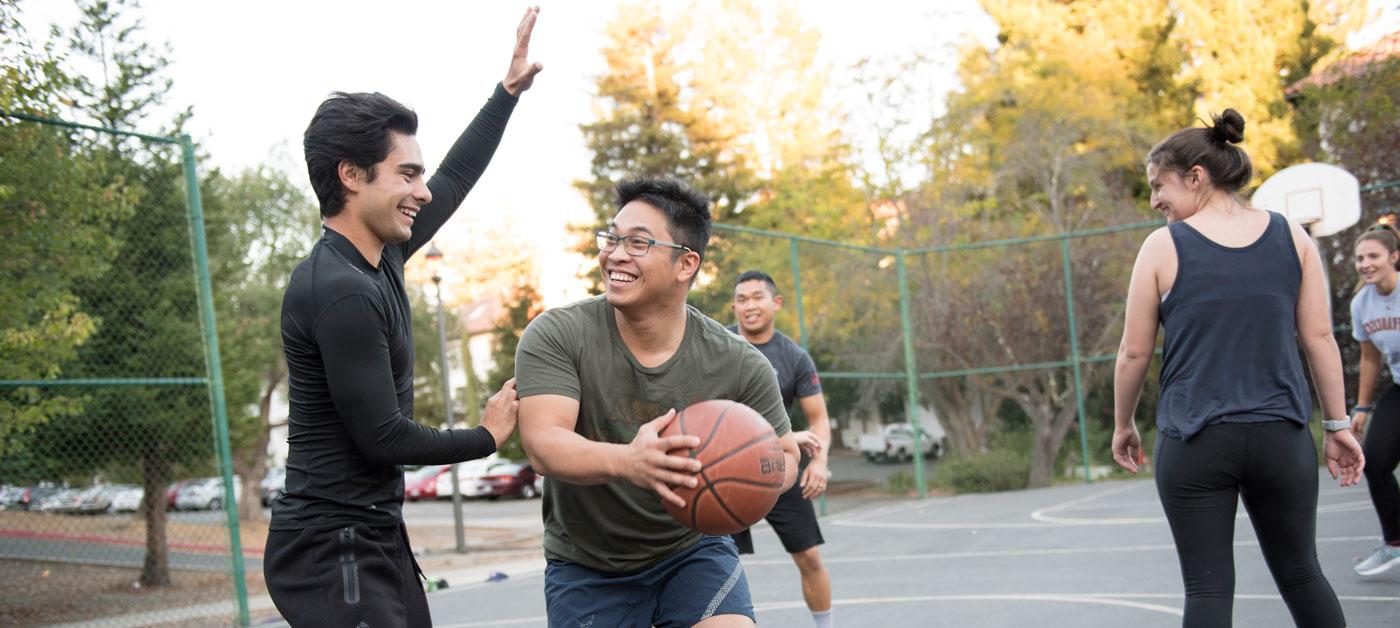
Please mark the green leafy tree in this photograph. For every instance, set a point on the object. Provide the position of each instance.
(144, 305)
(648, 127)
(264, 225)
(524, 306)
(53, 236)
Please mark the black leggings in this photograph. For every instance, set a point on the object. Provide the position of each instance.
(1382, 449)
(1273, 467)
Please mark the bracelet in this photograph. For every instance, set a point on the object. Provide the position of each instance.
(1356, 409)
(1337, 425)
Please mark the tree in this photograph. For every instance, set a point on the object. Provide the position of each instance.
(1348, 114)
(53, 236)
(264, 225)
(145, 308)
(524, 305)
(1045, 137)
(1243, 55)
(647, 124)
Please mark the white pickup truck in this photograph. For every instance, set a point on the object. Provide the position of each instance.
(896, 442)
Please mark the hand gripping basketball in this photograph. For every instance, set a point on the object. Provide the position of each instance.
(649, 463)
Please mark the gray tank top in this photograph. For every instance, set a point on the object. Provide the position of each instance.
(1230, 352)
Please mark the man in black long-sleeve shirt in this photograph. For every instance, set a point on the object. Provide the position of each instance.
(337, 553)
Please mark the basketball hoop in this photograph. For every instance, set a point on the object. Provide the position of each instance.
(1325, 198)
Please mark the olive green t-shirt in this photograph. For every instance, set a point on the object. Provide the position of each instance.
(576, 351)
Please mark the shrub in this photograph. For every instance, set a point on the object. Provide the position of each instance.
(996, 470)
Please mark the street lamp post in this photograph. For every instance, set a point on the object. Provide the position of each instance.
(434, 257)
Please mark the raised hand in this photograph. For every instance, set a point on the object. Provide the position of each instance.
(521, 73)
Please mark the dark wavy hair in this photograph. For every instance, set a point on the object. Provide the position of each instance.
(1212, 148)
(687, 211)
(354, 128)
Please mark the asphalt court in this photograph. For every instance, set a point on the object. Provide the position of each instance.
(1076, 555)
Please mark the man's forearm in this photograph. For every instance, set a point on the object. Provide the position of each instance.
(566, 456)
(821, 427)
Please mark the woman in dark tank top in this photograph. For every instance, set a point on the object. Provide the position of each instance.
(1232, 288)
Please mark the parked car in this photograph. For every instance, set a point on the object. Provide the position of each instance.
(172, 492)
(272, 485)
(421, 483)
(35, 496)
(896, 442)
(467, 474)
(125, 497)
(508, 479)
(206, 494)
(59, 501)
(87, 501)
(11, 496)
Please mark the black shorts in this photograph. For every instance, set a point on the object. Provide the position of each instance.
(354, 576)
(793, 518)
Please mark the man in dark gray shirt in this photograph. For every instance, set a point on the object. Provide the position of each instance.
(337, 553)
(756, 301)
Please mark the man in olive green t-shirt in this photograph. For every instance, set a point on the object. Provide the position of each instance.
(598, 381)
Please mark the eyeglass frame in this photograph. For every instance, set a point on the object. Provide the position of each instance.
(616, 239)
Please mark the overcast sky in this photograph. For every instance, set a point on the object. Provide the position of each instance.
(254, 71)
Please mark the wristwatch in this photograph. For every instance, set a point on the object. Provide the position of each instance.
(1337, 425)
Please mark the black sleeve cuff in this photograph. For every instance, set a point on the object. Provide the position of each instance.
(504, 95)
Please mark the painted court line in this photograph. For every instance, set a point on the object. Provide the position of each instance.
(1046, 517)
(1125, 600)
(1049, 551)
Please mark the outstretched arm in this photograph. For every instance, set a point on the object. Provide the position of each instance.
(471, 153)
(361, 383)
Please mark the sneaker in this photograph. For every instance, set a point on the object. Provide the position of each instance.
(1385, 557)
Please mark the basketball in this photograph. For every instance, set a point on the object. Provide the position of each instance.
(741, 467)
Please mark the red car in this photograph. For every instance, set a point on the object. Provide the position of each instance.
(508, 479)
(422, 483)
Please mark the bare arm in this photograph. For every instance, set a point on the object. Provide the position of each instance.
(1140, 321)
(557, 451)
(1366, 386)
(790, 459)
(814, 479)
(1314, 314)
(1315, 331)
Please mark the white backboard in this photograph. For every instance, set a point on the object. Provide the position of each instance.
(1322, 196)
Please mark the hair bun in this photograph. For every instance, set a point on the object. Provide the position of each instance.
(1227, 126)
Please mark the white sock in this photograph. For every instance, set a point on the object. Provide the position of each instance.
(822, 619)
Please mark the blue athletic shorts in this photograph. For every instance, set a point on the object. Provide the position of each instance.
(694, 584)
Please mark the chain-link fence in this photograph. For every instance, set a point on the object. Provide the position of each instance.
(976, 334)
(115, 473)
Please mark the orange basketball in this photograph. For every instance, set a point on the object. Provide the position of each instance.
(741, 467)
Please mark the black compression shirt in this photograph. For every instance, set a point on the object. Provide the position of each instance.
(349, 346)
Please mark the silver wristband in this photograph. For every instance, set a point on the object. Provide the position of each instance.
(1337, 425)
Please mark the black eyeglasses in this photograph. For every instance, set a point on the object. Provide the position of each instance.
(636, 246)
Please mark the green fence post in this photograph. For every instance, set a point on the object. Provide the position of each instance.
(1074, 358)
(911, 375)
(802, 330)
(216, 375)
(797, 293)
